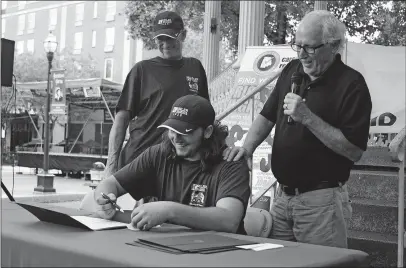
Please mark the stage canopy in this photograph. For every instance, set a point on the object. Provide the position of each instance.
(75, 92)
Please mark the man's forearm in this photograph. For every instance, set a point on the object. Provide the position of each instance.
(259, 130)
(332, 137)
(116, 139)
(207, 218)
(109, 186)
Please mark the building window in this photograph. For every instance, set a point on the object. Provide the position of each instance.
(93, 38)
(78, 43)
(21, 4)
(108, 69)
(95, 10)
(30, 46)
(3, 4)
(80, 9)
(31, 23)
(20, 47)
(53, 19)
(3, 27)
(111, 10)
(21, 24)
(109, 44)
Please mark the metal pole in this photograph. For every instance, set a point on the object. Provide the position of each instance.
(45, 181)
(105, 103)
(101, 138)
(401, 213)
(50, 56)
(77, 138)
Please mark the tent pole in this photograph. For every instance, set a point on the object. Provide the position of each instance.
(105, 103)
(77, 138)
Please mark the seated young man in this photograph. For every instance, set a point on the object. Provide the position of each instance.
(194, 185)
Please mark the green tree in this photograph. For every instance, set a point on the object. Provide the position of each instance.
(368, 19)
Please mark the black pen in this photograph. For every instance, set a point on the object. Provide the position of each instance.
(112, 202)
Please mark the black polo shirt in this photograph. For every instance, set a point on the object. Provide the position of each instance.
(341, 98)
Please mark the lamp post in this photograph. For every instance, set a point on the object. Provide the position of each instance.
(45, 181)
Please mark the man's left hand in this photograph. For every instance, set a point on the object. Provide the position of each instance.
(149, 215)
(296, 107)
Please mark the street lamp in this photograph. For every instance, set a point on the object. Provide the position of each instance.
(45, 181)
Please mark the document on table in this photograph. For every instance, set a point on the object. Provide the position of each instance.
(98, 224)
(261, 246)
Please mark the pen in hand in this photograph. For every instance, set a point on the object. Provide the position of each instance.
(112, 202)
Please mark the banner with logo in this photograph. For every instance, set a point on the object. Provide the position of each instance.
(58, 92)
(384, 71)
(257, 65)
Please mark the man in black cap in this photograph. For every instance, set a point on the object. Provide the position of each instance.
(194, 185)
(150, 89)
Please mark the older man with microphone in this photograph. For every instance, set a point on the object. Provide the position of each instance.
(321, 110)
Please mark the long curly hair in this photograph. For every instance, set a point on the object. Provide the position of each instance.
(211, 149)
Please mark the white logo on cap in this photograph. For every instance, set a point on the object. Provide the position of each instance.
(179, 111)
(165, 21)
(188, 130)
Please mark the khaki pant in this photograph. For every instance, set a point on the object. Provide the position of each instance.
(318, 217)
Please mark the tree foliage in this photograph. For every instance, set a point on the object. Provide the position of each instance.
(369, 20)
(30, 67)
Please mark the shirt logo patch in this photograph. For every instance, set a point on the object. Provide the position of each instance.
(193, 83)
(165, 21)
(179, 111)
(198, 197)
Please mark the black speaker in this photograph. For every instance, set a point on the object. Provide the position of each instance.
(7, 62)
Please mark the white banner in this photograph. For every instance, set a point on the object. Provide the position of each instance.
(384, 70)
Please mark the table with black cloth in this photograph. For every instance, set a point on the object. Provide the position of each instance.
(26, 241)
(60, 161)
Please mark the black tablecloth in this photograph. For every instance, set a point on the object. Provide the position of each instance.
(26, 241)
(60, 161)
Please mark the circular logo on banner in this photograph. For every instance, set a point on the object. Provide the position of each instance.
(266, 62)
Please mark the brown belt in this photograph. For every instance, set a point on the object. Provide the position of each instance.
(300, 190)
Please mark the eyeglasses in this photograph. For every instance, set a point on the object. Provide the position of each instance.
(307, 49)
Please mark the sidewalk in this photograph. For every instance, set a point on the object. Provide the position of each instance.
(69, 191)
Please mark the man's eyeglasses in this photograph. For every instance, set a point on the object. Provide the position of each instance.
(307, 49)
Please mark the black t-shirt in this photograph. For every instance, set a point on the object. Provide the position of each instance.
(153, 173)
(149, 91)
(341, 98)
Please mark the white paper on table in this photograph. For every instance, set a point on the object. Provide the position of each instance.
(132, 228)
(260, 246)
(249, 246)
(266, 246)
(97, 224)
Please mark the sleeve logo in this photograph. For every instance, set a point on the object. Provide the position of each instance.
(193, 83)
(198, 197)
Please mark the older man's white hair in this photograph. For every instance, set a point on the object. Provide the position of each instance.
(333, 29)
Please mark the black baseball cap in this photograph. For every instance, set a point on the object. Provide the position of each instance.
(168, 23)
(189, 113)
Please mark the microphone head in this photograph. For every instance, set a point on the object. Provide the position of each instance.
(296, 78)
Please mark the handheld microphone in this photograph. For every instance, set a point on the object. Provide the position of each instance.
(296, 81)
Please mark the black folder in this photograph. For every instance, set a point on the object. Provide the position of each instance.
(198, 243)
(60, 215)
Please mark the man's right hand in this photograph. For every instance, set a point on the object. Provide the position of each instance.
(105, 209)
(236, 154)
